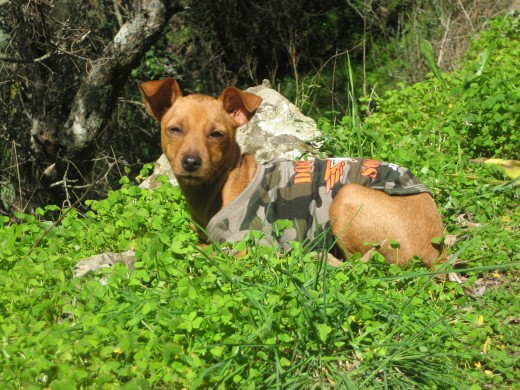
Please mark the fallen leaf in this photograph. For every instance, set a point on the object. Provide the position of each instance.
(511, 167)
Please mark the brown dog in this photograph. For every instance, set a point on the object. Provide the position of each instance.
(361, 201)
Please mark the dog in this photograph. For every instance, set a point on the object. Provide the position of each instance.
(351, 204)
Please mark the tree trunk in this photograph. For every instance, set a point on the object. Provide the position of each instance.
(97, 95)
(95, 99)
(64, 68)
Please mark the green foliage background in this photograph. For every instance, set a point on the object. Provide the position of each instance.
(190, 318)
(474, 109)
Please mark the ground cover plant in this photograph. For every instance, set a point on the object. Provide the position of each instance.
(203, 319)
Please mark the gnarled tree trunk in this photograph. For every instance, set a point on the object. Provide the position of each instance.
(67, 64)
(95, 99)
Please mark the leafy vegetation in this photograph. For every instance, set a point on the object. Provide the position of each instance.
(191, 318)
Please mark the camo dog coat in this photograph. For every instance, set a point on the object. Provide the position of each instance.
(302, 192)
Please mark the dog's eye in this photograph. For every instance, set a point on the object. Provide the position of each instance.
(174, 130)
(217, 134)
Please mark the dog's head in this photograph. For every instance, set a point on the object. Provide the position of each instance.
(198, 131)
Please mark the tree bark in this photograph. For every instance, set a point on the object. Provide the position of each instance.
(95, 100)
(63, 68)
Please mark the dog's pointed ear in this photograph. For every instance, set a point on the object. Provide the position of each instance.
(159, 96)
(240, 104)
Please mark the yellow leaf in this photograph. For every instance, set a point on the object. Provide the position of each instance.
(511, 167)
(480, 320)
(478, 365)
(486, 346)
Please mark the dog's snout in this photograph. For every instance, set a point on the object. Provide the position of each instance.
(191, 163)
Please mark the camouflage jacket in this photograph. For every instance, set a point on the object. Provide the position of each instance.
(301, 192)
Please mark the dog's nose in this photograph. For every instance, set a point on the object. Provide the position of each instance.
(191, 163)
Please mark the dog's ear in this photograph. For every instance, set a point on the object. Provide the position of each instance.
(241, 105)
(159, 96)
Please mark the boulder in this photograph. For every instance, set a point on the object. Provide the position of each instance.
(278, 129)
(103, 260)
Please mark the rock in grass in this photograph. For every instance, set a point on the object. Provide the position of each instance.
(103, 260)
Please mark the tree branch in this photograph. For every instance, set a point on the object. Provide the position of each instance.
(26, 60)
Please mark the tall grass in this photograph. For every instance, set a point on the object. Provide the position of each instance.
(322, 326)
(353, 108)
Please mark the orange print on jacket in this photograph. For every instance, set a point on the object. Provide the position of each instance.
(369, 168)
(334, 172)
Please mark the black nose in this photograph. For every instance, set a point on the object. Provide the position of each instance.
(191, 163)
